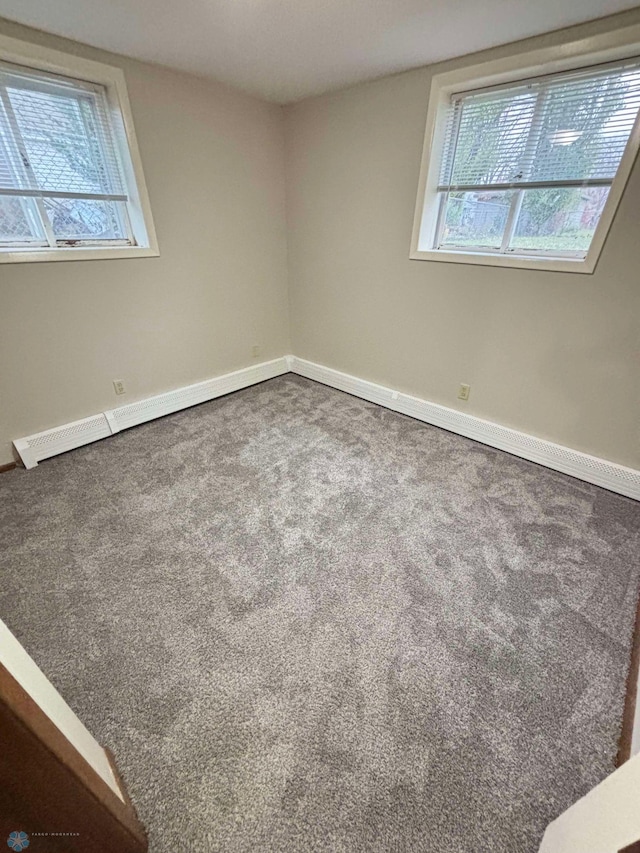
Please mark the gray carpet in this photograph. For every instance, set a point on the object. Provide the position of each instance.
(306, 623)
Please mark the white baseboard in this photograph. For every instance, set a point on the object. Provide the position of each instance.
(600, 472)
(42, 445)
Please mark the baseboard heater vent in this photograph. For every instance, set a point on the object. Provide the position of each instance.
(42, 445)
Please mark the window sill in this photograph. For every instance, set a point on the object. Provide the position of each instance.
(78, 253)
(527, 262)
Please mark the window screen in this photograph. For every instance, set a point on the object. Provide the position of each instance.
(526, 168)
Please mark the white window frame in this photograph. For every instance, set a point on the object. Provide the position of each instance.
(112, 79)
(612, 46)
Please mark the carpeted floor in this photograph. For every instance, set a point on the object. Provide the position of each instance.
(305, 623)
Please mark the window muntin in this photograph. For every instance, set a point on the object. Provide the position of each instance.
(526, 167)
(61, 179)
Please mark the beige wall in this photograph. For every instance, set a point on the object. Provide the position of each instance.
(553, 354)
(213, 162)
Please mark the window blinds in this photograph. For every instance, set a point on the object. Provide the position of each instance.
(56, 138)
(568, 130)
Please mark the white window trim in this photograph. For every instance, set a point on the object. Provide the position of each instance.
(617, 44)
(88, 71)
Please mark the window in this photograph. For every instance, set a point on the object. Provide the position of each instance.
(527, 172)
(68, 184)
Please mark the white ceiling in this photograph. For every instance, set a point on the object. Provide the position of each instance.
(284, 50)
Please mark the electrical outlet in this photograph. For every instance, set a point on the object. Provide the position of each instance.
(255, 351)
(118, 386)
(464, 391)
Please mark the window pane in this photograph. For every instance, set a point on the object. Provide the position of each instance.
(83, 219)
(559, 219)
(572, 127)
(475, 219)
(11, 168)
(584, 127)
(63, 141)
(491, 139)
(16, 225)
